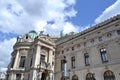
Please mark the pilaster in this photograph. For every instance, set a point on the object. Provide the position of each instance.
(16, 59)
(36, 57)
(50, 56)
(36, 62)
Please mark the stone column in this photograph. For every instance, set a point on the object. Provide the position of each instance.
(11, 77)
(50, 61)
(34, 75)
(36, 57)
(50, 56)
(16, 59)
(36, 62)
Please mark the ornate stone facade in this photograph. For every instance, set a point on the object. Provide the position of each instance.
(32, 58)
(93, 54)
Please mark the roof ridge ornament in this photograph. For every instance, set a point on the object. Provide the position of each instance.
(41, 33)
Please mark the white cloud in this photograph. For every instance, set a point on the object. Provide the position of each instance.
(6, 48)
(70, 2)
(40, 25)
(68, 27)
(113, 10)
(20, 14)
(12, 18)
(3, 69)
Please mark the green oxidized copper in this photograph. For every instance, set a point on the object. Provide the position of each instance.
(33, 34)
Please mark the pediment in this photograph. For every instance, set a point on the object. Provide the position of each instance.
(45, 38)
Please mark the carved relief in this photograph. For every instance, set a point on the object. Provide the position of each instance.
(43, 52)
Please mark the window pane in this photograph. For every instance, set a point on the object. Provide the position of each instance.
(108, 75)
(87, 61)
(73, 62)
(42, 58)
(90, 76)
(118, 32)
(62, 52)
(22, 61)
(103, 55)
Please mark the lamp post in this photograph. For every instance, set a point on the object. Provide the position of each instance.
(65, 70)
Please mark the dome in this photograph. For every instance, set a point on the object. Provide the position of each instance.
(33, 34)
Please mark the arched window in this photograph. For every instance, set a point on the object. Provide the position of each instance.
(90, 76)
(74, 77)
(109, 75)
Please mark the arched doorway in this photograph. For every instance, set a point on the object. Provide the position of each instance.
(90, 76)
(109, 75)
(74, 77)
(43, 76)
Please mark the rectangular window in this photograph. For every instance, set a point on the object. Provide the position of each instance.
(12, 63)
(72, 48)
(62, 52)
(31, 62)
(22, 61)
(18, 76)
(103, 55)
(85, 44)
(73, 62)
(118, 32)
(87, 60)
(42, 58)
(100, 38)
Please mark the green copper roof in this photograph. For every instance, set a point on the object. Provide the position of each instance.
(33, 34)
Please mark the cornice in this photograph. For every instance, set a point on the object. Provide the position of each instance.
(95, 27)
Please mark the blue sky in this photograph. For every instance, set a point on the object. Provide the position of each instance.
(88, 11)
(18, 17)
